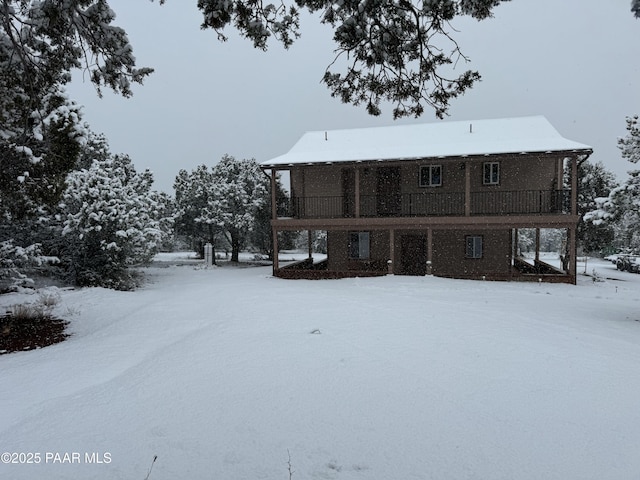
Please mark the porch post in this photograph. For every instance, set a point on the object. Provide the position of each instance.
(512, 233)
(276, 265)
(309, 245)
(560, 174)
(574, 187)
(274, 206)
(573, 260)
(537, 244)
(429, 251)
(467, 189)
(390, 263)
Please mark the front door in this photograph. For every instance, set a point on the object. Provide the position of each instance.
(389, 200)
(348, 192)
(413, 255)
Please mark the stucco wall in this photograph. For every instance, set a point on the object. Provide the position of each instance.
(338, 251)
(449, 253)
(529, 172)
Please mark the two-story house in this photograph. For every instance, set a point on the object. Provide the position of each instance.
(445, 198)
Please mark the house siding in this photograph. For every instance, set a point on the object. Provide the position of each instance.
(530, 172)
(449, 253)
(338, 251)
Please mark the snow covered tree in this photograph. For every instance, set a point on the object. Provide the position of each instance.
(13, 261)
(41, 41)
(635, 8)
(594, 181)
(225, 200)
(622, 205)
(238, 190)
(111, 220)
(40, 128)
(95, 148)
(192, 191)
(34, 163)
(630, 145)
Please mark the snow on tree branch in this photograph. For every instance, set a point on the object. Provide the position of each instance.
(397, 51)
(630, 145)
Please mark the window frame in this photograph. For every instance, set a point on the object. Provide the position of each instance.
(363, 240)
(430, 183)
(476, 251)
(491, 167)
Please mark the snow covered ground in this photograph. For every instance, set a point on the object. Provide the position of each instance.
(225, 372)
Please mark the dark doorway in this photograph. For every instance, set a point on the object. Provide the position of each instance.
(389, 200)
(413, 255)
(348, 192)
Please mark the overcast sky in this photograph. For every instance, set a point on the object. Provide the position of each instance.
(577, 62)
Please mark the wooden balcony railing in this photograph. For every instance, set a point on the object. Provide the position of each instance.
(496, 202)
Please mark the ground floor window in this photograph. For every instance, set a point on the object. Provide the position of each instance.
(359, 245)
(474, 246)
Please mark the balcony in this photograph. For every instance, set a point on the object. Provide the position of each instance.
(497, 202)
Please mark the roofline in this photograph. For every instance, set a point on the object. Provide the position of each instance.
(477, 156)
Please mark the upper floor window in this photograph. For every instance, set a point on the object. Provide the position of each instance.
(491, 173)
(431, 176)
(359, 245)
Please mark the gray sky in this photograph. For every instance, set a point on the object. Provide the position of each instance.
(577, 62)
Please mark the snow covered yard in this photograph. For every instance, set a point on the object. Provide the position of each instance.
(223, 372)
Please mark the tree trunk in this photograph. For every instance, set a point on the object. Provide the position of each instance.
(212, 241)
(235, 246)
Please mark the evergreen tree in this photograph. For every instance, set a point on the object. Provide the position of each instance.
(238, 191)
(227, 200)
(35, 162)
(40, 128)
(622, 205)
(192, 191)
(594, 181)
(111, 220)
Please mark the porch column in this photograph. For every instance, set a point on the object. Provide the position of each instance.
(276, 265)
(560, 174)
(537, 244)
(309, 244)
(357, 192)
(467, 189)
(429, 251)
(274, 216)
(573, 260)
(392, 259)
(512, 233)
(574, 187)
(274, 206)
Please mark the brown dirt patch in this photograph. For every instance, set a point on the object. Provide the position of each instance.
(18, 334)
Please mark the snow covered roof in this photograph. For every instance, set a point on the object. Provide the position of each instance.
(428, 140)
